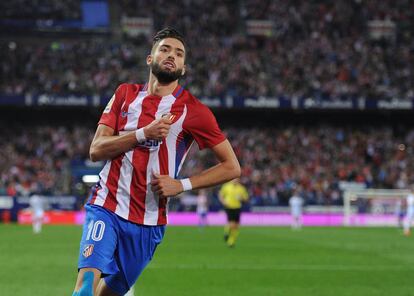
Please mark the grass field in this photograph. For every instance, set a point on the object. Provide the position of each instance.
(266, 261)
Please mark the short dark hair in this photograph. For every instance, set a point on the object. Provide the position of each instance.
(168, 32)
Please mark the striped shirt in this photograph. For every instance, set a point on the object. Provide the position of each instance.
(124, 186)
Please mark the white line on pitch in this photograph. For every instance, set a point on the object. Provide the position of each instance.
(285, 267)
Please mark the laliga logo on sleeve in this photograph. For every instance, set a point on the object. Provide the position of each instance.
(87, 251)
(109, 105)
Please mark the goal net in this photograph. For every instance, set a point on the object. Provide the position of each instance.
(374, 207)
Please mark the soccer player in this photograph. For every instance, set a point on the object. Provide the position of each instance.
(202, 207)
(296, 203)
(399, 213)
(144, 135)
(410, 212)
(232, 195)
(36, 207)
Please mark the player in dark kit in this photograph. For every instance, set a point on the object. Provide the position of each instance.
(144, 135)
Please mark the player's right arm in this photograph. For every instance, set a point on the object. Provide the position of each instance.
(106, 145)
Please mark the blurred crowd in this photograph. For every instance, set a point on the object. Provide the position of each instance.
(274, 161)
(314, 48)
(38, 159)
(40, 10)
(81, 67)
(315, 160)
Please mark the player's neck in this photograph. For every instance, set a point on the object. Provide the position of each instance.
(158, 89)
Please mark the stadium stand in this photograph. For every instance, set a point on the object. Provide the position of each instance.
(316, 157)
(311, 49)
(238, 49)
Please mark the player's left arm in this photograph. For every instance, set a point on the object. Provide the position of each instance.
(227, 169)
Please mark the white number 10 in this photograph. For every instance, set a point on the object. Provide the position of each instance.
(96, 229)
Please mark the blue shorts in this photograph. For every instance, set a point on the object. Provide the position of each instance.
(118, 248)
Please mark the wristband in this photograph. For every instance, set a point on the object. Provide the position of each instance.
(186, 184)
(139, 134)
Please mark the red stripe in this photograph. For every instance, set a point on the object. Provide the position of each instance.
(95, 193)
(115, 169)
(112, 183)
(123, 119)
(138, 189)
(140, 158)
(163, 160)
(177, 109)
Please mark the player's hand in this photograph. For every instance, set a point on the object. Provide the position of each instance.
(165, 186)
(159, 128)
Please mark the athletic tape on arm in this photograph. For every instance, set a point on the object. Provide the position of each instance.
(87, 285)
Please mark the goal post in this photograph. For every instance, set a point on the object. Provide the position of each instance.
(374, 202)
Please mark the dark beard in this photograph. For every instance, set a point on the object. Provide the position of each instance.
(165, 77)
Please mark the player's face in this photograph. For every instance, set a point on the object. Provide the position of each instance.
(167, 60)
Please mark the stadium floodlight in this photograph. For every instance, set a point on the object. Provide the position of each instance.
(90, 178)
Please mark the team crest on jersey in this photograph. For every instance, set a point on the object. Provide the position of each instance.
(87, 251)
(109, 105)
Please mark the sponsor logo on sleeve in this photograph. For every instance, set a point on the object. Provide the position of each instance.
(109, 105)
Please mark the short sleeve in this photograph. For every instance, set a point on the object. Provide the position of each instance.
(112, 110)
(204, 128)
(245, 194)
(223, 190)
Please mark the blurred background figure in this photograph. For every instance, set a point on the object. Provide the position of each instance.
(37, 209)
(296, 204)
(202, 207)
(410, 212)
(232, 195)
(399, 213)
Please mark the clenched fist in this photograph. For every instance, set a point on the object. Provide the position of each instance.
(165, 186)
(159, 128)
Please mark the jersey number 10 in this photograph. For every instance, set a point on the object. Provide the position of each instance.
(96, 230)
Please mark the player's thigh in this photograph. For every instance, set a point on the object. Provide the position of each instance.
(233, 224)
(234, 217)
(136, 248)
(104, 290)
(99, 241)
(80, 281)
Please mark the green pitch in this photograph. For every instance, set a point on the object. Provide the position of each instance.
(192, 262)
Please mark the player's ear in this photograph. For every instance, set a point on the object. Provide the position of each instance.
(183, 71)
(149, 59)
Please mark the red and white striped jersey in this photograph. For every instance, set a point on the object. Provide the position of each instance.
(124, 187)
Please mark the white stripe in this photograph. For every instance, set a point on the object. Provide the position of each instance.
(278, 267)
(123, 195)
(171, 139)
(123, 191)
(164, 106)
(175, 130)
(151, 200)
(134, 111)
(184, 157)
(102, 193)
